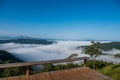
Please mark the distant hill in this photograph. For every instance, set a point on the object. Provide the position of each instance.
(14, 37)
(27, 41)
(109, 46)
(106, 46)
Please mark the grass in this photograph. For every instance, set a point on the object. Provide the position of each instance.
(112, 71)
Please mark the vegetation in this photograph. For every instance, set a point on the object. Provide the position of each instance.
(6, 57)
(109, 46)
(105, 46)
(27, 41)
(98, 64)
(73, 56)
(94, 51)
(112, 71)
(12, 72)
(117, 55)
(51, 67)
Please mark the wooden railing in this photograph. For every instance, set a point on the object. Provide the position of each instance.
(29, 64)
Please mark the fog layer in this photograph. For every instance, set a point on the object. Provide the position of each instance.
(33, 52)
(59, 50)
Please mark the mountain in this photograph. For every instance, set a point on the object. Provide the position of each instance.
(106, 46)
(27, 41)
(111, 45)
(13, 37)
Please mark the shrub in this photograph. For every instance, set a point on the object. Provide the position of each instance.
(112, 71)
(117, 55)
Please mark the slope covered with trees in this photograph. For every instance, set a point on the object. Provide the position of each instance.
(6, 57)
(109, 46)
(105, 46)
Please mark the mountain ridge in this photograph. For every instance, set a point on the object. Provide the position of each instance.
(27, 41)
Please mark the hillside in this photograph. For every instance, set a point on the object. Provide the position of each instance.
(109, 46)
(6, 57)
(27, 41)
(106, 46)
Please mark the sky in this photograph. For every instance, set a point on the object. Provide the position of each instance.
(61, 19)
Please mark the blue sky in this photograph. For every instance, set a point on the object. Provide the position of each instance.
(61, 19)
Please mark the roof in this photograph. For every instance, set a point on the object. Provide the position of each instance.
(83, 73)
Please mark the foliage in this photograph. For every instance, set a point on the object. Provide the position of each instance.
(117, 55)
(105, 46)
(51, 67)
(109, 46)
(48, 67)
(98, 64)
(73, 56)
(6, 57)
(93, 50)
(12, 71)
(112, 71)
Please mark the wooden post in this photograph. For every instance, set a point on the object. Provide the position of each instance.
(28, 70)
(85, 62)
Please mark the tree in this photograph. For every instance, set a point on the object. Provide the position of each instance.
(93, 50)
(73, 56)
(117, 55)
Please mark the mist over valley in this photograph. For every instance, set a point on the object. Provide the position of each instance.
(59, 49)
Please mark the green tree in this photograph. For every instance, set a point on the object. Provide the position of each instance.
(117, 55)
(93, 50)
(73, 56)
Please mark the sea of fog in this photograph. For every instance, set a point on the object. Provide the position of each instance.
(58, 50)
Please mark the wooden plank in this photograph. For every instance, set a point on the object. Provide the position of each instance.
(9, 65)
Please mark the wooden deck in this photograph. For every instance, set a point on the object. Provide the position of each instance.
(82, 73)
